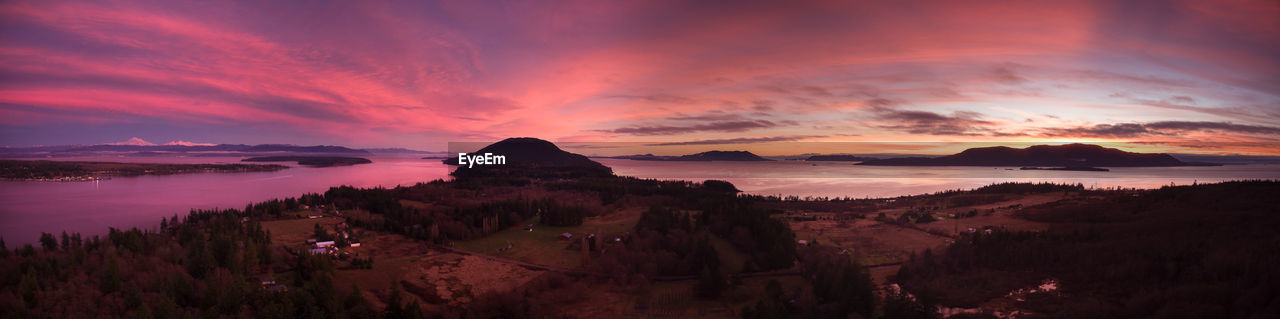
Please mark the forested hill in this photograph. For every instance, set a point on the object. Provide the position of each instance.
(1069, 155)
(531, 157)
(1204, 251)
(729, 156)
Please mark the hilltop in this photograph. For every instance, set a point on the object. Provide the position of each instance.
(1069, 155)
(527, 156)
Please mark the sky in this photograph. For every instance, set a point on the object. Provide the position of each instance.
(1174, 76)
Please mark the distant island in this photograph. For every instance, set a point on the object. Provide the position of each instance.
(183, 150)
(729, 156)
(313, 161)
(393, 150)
(87, 171)
(1068, 168)
(1069, 155)
(838, 158)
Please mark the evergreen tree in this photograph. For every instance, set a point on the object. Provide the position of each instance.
(48, 242)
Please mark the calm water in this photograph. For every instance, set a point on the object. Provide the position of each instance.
(90, 207)
(838, 179)
(28, 208)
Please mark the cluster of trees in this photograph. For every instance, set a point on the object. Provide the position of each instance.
(675, 239)
(768, 242)
(555, 214)
(916, 216)
(839, 287)
(445, 223)
(1198, 251)
(666, 242)
(205, 264)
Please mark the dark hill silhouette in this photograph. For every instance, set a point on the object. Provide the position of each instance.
(838, 158)
(734, 156)
(531, 157)
(1069, 155)
(313, 161)
(738, 156)
(261, 148)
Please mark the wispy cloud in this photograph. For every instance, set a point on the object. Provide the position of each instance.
(414, 73)
(1162, 128)
(925, 122)
(741, 140)
(725, 126)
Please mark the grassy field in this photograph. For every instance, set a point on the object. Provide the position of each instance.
(543, 245)
(293, 232)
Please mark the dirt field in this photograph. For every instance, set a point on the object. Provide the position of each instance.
(293, 232)
(674, 299)
(879, 243)
(454, 280)
(1001, 217)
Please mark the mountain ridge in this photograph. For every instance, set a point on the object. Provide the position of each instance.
(715, 155)
(1067, 155)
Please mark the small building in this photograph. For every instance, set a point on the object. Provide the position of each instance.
(566, 236)
(323, 244)
(802, 242)
(277, 288)
(311, 240)
(267, 280)
(317, 251)
(355, 244)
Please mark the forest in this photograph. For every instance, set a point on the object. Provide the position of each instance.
(1202, 251)
(1185, 251)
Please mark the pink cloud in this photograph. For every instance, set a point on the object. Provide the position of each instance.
(410, 74)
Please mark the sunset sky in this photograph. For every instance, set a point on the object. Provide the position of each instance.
(1178, 76)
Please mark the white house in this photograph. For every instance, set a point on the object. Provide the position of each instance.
(323, 244)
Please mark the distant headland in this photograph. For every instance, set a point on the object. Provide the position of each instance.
(838, 158)
(67, 171)
(313, 161)
(1066, 156)
(731, 156)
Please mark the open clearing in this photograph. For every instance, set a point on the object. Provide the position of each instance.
(879, 243)
(543, 245)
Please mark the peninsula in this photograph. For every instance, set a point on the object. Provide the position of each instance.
(87, 171)
(730, 156)
(1069, 155)
(313, 161)
(838, 158)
